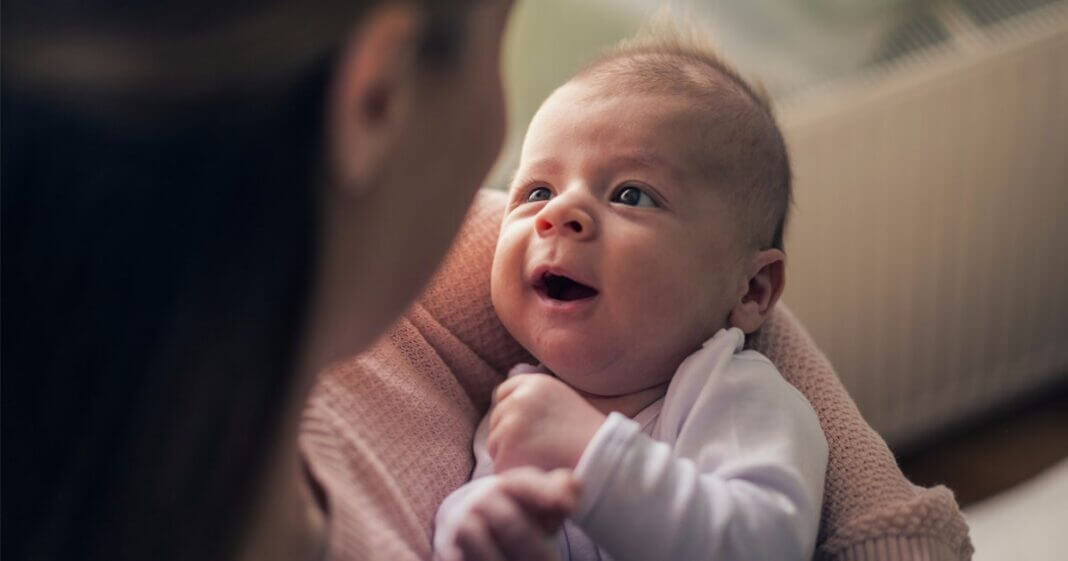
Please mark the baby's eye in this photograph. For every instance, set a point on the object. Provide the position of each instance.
(539, 194)
(633, 196)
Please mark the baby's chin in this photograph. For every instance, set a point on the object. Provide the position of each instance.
(593, 365)
(603, 384)
(586, 373)
(605, 372)
(562, 360)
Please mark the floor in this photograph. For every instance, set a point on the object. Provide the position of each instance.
(1023, 524)
(1007, 448)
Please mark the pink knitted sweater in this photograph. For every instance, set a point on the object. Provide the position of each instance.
(387, 434)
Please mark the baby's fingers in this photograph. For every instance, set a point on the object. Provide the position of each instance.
(517, 535)
(548, 496)
(474, 542)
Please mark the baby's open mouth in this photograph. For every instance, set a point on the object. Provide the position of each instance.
(559, 287)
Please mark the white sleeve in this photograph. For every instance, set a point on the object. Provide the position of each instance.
(743, 481)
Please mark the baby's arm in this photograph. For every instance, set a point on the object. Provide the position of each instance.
(744, 480)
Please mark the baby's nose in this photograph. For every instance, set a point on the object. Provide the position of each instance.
(567, 219)
(544, 226)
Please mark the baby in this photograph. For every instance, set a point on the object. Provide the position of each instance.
(642, 241)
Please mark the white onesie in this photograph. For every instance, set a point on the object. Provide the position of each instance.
(728, 465)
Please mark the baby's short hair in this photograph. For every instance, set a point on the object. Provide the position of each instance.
(672, 60)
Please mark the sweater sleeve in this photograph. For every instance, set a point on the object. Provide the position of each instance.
(744, 479)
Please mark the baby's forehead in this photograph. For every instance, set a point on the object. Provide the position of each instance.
(730, 114)
(664, 74)
(650, 125)
(725, 112)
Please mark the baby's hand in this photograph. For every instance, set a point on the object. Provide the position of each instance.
(514, 518)
(539, 421)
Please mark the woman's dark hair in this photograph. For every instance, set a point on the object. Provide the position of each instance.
(154, 283)
(155, 275)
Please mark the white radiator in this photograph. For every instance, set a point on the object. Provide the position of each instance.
(928, 252)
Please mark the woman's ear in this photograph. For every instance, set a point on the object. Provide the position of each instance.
(370, 101)
(767, 278)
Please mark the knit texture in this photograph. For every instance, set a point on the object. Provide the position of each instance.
(387, 435)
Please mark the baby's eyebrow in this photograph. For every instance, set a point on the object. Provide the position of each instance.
(648, 161)
(542, 167)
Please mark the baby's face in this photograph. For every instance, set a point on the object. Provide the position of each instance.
(618, 255)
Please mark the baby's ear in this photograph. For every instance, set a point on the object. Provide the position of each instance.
(767, 278)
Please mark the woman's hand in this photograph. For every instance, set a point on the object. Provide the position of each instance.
(539, 421)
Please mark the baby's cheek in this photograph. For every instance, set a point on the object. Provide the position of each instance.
(505, 275)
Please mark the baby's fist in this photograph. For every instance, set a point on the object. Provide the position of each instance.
(539, 421)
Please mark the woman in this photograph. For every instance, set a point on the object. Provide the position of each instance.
(203, 204)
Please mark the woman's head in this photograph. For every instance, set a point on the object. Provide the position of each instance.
(409, 149)
(195, 196)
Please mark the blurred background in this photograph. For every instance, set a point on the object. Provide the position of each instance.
(929, 142)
